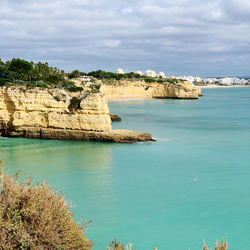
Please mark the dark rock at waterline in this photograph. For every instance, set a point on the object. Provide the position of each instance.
(115, 118)
(118, 136)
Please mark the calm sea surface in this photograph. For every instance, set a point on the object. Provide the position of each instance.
(190, 185)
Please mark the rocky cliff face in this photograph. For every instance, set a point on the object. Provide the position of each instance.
(130, 89)
(46, 114)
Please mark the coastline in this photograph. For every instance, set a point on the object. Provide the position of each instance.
(137, 97)
(212, 86)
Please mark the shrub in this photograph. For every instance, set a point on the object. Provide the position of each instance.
(41, 85)
(35, 217)
(3, 82)
(100, 74)
(75, 89)
(70, 85)
(57, 98)
(55, 79)
(19, 81)
(218, 246)
(149, 80)
(114, 245)
(74, 74)
(31, 85)
(95, 88)
(160, 81)
(74, 103)
(172, 80)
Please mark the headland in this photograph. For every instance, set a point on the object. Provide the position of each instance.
(42, 102)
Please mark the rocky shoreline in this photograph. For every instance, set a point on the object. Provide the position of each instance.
(140, 89)
(117, 136)
(115, 118)
(44, 114)
(52, 113)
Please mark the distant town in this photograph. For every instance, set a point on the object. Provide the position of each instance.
(196, 80)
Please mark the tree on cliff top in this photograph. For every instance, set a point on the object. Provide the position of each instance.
(35, 217)
(74, 74)
(20, 66)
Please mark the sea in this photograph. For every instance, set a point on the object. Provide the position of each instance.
(191, 185)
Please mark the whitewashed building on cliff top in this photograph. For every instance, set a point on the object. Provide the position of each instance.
(161, 74)
(150, 73)
(119, 71)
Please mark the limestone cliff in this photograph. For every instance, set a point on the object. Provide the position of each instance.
(133, 89)
(43, 113)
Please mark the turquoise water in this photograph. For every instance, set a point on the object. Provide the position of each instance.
(192, 184)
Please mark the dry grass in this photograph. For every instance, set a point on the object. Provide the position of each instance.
(35, 217)
(218, 246)
(114, 245)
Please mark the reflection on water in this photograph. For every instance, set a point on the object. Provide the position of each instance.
(80, 169)
(40, 157)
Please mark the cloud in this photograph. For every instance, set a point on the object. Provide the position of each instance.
(111, 43)
(135, 35)
(127, 10)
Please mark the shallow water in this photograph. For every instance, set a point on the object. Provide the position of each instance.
(192, 184)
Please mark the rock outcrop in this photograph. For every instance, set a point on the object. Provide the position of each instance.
(136, 89)
(46, 114)
(115, 118)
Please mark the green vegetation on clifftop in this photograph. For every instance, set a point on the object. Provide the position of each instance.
(20, 72)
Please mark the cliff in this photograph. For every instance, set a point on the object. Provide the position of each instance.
(57, 114)
(135, 89)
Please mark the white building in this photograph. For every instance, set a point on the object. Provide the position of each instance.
(150, 73)
(161, 74)
(221, 81)
(119, 71)
(232, 80)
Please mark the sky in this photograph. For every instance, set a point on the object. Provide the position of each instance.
(178, 37)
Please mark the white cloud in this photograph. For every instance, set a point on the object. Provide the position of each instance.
(216, 14)
(127, 10)
(111, 43)
(156, 34)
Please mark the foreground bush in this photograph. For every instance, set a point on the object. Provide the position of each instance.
(218, 246)
(115, 245)
(35, 217)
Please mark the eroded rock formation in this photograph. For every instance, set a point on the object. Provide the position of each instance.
(51, 114)
(136, 89)
(115, 118)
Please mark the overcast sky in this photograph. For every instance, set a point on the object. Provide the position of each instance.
(178, 37)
